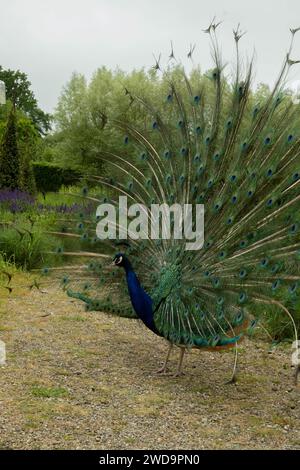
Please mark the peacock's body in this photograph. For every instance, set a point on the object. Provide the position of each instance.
(239, 159)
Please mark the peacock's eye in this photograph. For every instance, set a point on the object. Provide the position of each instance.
(118, 260)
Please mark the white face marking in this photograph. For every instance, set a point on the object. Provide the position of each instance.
(119, 261)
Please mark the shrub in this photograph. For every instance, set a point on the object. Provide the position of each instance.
(9, 155)
(50, 177)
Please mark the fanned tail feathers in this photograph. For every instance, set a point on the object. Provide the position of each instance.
(206, 142)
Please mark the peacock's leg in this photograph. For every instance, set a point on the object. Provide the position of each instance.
(233, 379)
(163, 369)
(179, 368)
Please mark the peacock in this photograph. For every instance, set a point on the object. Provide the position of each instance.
(204, 142)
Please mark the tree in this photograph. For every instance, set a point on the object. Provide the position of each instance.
(28, 139)
(86, 111)
(9, 155)
(76, 132)
(28, 145)
(18, 91)
(81, 130)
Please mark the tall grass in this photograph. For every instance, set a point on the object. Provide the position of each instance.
(25, 246)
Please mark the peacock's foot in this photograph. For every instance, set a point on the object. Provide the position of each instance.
(166, 372)
(162, 371)
(232, 381)
(178, 374)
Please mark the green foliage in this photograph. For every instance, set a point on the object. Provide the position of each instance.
(24, 249)
(25, 238)
(51, 150)
(28, 139)
(50, 177)
(86, 111)
(82, 133)
(27, 179)
(277, 323)
(9, 155)
(18, 91)
(28, 143)
(65, 195)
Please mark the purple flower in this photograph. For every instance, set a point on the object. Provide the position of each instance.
(16, 200)
(20, 201)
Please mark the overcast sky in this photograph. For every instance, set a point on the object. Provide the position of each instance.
(50, 39)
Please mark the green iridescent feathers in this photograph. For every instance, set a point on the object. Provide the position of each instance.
(206, 141)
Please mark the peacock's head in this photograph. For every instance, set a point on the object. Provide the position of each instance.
(120, 260)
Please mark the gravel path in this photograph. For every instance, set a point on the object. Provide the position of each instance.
(77, 380)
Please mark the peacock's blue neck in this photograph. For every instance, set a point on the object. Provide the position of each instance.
(141, 301)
